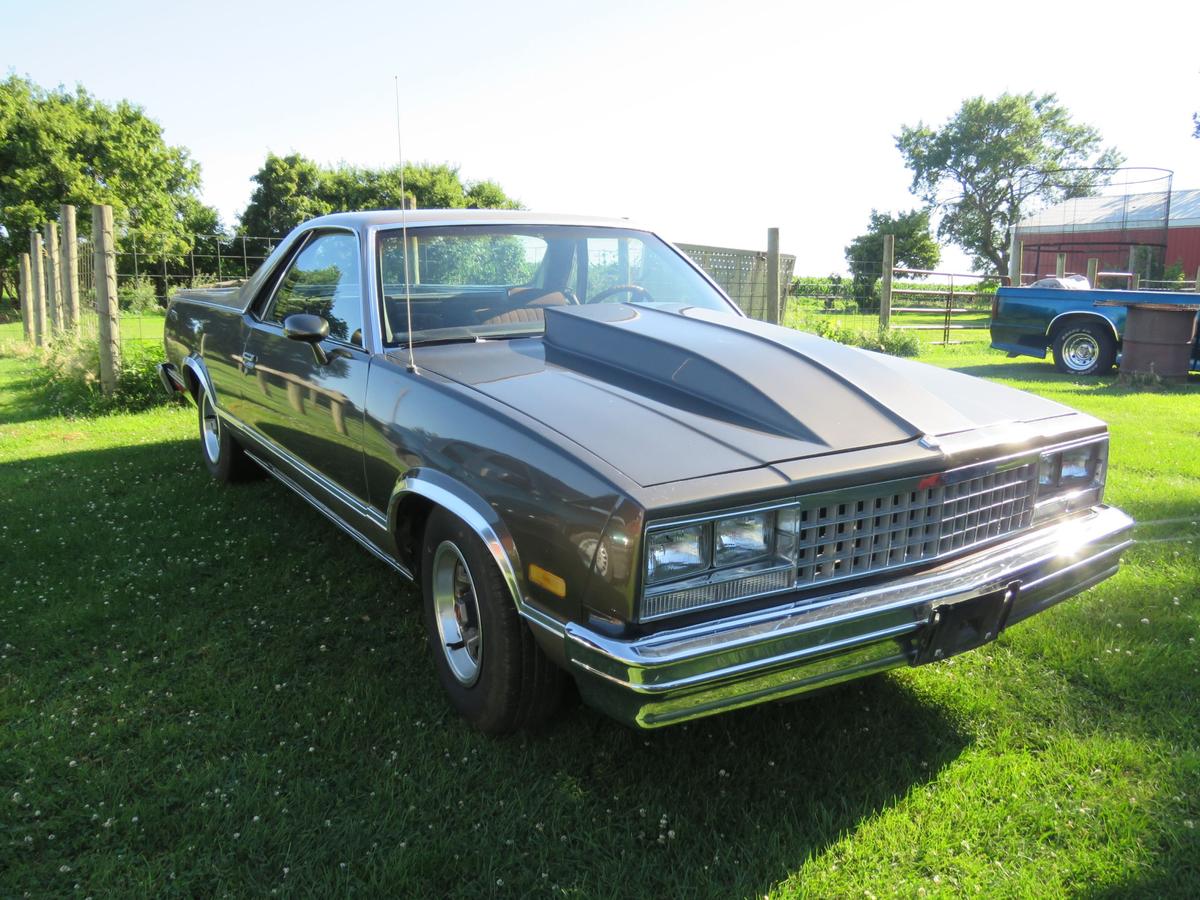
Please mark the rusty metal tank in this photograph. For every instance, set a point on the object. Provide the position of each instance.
(1159, 339)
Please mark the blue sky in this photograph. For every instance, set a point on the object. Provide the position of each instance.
(709, 121)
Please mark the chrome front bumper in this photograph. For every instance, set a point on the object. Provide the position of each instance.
(799, 646)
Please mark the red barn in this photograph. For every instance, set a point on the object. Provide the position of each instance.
(1153, 234)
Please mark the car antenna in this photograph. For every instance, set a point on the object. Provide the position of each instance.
(412, 362)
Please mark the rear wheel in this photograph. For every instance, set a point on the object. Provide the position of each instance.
(1085, 348)
(223, 456)
(487, 660)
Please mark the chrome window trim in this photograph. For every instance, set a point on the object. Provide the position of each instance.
(948, 477)
(299, 245)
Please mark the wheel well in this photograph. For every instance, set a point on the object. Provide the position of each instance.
(1066, 320)
(412, 515)
(191, 382)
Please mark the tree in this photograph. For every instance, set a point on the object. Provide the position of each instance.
(287, 194)
(915, 248)
(995, 157)
(58, 146)
(291, 189)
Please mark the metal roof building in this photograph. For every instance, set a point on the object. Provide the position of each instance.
(1145, 233)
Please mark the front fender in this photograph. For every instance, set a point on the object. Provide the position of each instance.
(459, 499)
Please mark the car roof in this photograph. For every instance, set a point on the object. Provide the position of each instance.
(420, 217)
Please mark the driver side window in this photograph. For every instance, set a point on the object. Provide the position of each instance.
(324, 280)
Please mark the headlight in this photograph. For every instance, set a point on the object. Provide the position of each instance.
(743, 538)
(677, 552)
(719, 560)
(1070, 479)
(1078, 465)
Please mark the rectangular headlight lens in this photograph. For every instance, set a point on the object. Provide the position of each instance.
(1077, 465)
(741, 539)
(677, 552)
(1048, 471)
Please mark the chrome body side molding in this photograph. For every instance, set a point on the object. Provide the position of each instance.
(329, 514)
(338, 493)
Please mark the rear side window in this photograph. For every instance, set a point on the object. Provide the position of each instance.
(324, 280)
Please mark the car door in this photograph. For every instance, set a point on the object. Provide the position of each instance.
(307, 399)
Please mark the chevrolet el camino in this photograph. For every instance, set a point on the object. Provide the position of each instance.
(594, 466)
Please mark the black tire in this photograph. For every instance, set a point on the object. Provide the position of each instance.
(1084, 348)
(514, 684)
(223, 456)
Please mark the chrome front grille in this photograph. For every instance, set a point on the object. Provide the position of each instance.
(859, 532)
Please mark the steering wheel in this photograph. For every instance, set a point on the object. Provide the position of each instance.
(631, 289)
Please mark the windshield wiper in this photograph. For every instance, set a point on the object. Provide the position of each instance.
(473, 338)
(461, 339)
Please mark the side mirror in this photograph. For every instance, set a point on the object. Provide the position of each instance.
(310, 329)
(306, 327)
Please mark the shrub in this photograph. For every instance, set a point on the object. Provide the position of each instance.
(138, 296)
(885, 340)
(73, 385)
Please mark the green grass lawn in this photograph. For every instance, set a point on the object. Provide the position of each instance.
(210, 690)
(148, 327)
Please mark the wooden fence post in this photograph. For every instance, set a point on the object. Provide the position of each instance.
(25, 290)
(70, 267)
(38, 270)
(1060, 265)
(1196, 287)
(773, 310)
(1137, 281)
(885, 290)
(106, 297)
(53, 277)
(1093, 270)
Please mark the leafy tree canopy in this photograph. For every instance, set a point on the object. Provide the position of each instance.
(995, 157)
(291, 189)
(915, 247)
(59, 146)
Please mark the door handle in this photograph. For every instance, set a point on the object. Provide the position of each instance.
(248, 361)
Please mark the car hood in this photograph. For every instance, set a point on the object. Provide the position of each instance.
(666, 394)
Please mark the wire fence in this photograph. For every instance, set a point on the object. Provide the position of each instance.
(742, 274)
(940, 307)
(147, 277)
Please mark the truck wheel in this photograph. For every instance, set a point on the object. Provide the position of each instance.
(487, 660)
(223, 456)
(1084, 348)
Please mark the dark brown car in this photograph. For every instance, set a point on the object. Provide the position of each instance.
(595, 466)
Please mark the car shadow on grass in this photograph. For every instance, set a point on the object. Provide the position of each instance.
(258, 647)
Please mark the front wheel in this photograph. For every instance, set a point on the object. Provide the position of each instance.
(487, 660)
(1084, 349)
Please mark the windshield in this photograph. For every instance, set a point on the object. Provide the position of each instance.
(482, 281)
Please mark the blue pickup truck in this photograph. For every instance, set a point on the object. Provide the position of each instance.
(1084, 337)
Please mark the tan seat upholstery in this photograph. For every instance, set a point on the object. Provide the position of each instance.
(529, 308)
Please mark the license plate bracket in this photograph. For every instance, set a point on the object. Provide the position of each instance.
(964, 625)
